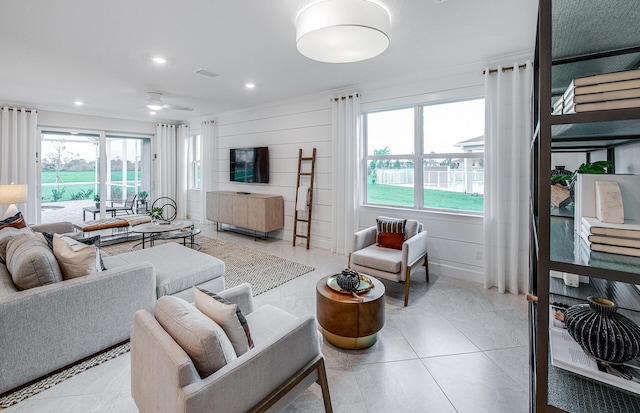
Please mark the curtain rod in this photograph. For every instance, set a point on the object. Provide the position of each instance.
(25, 110)
(348, 96)
(504, 69)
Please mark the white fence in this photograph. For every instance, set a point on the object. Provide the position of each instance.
(436, 177)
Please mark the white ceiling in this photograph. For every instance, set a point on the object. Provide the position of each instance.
(55, 52)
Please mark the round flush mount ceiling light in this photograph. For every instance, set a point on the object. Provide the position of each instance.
(342, 31)
(159, 60)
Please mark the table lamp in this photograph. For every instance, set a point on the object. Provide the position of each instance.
(12, 194)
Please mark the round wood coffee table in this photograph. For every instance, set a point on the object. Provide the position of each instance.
(347, 321)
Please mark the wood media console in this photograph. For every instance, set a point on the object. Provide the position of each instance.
(257, 212)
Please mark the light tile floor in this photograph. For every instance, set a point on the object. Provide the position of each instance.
(456, 348)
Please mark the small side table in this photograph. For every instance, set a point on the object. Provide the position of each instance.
(347, 321)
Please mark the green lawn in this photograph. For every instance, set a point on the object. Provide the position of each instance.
(82, 176)
(70, 190)
(433, 198)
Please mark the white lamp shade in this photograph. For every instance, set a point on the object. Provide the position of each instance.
(342, 31)
(13, 194)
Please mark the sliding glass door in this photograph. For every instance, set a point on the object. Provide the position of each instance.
(71, 184)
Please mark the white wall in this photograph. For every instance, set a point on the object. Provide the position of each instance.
(455, 241)
(72, 120)
(284, 128)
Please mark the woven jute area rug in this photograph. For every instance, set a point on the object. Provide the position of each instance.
(263, 271)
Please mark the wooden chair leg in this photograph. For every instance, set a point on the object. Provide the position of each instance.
(324, 385)
(426, 265)
(407, 283)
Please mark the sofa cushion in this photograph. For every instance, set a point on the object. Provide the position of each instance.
(75, 258)
(30, 262)
(384, 259)
(228, 316)
(178, 268)
(198, 335)
(5, 236)
(16, 221)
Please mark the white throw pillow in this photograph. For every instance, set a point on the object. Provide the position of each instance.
(75, 258)
(228, 316)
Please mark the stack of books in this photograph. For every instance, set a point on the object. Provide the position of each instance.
(621, 239)
(617, 90)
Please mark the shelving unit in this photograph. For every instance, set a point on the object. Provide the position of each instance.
(577, 38)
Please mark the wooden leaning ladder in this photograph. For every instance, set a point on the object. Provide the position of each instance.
(311, 175)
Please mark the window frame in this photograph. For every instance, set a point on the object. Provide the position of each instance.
(418, 157)
(194, 163)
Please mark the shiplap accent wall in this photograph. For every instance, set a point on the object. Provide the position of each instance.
(284, 128)
(455, 241)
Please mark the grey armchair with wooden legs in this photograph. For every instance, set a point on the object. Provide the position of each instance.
(390, 263)
(283, 363)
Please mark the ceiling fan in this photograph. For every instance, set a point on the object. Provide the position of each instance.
(155, 102)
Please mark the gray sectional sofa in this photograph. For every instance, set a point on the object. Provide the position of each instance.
(46, 328)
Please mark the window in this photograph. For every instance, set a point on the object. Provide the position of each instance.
(427, 156)
(194, 162)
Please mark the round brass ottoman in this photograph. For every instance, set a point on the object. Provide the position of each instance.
(347, 321)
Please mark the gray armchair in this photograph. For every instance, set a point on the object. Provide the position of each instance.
(391, 264)
(285, 361)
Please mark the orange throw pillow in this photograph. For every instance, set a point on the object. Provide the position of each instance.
(391, 240)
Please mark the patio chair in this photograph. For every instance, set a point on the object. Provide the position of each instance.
(128, 206)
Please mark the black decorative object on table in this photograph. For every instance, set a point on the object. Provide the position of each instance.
(603, 333)
(348, 280)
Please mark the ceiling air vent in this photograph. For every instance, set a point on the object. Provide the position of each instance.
(205, 72)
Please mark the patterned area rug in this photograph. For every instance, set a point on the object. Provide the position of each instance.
(263, 271)
(54, 379)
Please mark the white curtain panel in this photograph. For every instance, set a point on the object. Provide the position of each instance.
(164, 161)
(182, 170)
(208, 152)
(346, 164)
(506, 180)
(18, 157)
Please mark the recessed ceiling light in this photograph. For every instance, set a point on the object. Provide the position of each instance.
(159, 59)
(78, 103)
(250, 85)
(152, 113)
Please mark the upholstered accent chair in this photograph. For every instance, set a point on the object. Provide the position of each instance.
(391, 251)
(284, 361)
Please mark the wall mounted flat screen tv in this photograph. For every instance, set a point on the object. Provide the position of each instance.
(249, 165)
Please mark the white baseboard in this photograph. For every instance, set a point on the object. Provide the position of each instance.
(446, 269)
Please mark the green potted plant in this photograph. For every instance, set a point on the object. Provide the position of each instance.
(143, 195)
(96, 199)
(569, 180)
(156, 214)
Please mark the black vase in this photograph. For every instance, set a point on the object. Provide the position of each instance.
(348, 280)
(603, 333)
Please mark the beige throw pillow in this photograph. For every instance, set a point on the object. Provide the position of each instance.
(75, 258)
(200, 337)
(228, 316)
